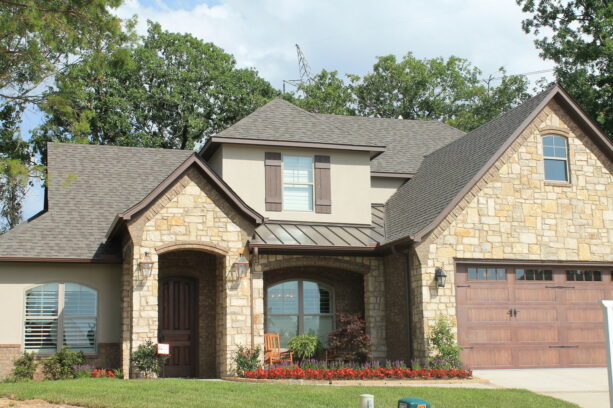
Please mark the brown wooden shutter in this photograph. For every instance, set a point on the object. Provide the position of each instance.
(323, 190)
(273, 183)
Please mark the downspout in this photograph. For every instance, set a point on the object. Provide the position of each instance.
(408, 297)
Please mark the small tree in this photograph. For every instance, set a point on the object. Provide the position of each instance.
(147, 361)
(350, 339)
(444, 350)
(246, 359)
(24, 368)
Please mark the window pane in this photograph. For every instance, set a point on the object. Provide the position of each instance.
(286, 326)
(548, 141)
(319, 326)
(520, 274)
(472, 273)
(597, 276)
(555, 170)
(548, 151)
(316, 299)
(79, 300)
(283, 298)
(501, 274)
(530, 274)
(570, 275)
(491, 274)
(80, 334)
(548, 275)
(41, 335)
(481, 273)
(298, 197)
(559, 141)
(42, 301)
(297, 169)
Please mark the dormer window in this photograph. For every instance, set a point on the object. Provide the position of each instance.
(555, 155)
(297, 183)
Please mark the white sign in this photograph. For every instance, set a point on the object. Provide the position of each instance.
(608, 324)
(163, 348)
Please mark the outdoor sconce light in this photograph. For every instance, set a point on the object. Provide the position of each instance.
(440, 277)
(145, 266)
(239, 268)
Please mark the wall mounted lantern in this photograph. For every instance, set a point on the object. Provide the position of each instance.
(440, 277)
(145, 266)
(241, 266)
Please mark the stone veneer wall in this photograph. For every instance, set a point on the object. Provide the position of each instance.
(512, 213)
(189, 215)
(8, 354)
(374, 288)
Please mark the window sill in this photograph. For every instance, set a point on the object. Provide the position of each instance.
(558, 183)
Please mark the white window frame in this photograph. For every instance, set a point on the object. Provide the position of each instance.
(59, 318)
(311, 184)
(565, 160)
(300, 315)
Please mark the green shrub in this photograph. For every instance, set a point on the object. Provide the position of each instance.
(146, 360)
(444, 351)
(23, 368)
(61, 366)
(305, 346)
(247, 359)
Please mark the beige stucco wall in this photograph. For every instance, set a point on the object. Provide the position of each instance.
(382, 188)
(243, 170)
(16, 278)
(512, 213)
(216, 162)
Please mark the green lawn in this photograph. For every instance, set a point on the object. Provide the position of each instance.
(193, 393)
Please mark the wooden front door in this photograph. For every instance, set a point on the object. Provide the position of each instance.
(531, 316)
(177, 325)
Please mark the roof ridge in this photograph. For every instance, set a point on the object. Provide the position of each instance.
(109, 146)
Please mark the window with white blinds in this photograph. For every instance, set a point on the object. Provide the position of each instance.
(61, 314)
(297, 183)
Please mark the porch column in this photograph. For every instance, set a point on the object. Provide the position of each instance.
(374, 307)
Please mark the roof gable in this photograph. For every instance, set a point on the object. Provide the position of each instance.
(447, 174)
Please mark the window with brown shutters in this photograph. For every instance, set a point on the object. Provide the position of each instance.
(323, 188)
(273, 182)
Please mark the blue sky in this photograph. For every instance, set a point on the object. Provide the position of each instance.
(343, 35)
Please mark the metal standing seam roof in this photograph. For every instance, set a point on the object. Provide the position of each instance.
(318, 235)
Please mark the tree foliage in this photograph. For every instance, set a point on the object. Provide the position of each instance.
(448, 90)
(579, 40)
(170, 90)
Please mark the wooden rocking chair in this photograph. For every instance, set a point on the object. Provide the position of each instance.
(273, 352)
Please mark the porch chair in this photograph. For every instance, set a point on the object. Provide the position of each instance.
(273, 352)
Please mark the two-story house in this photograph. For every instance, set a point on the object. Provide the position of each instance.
(288, 218)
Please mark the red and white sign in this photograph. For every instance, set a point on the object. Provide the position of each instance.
(163, 348)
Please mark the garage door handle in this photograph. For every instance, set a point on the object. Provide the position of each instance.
(560, 287)
(564, 347)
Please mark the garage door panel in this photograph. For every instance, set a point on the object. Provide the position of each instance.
(585, 335)
(488, 335)
(540, 294)
(584, 315)
(489, 358)
(538, 357)
(488, 294)
(492, 314)
(583, 295)
(586, 356)
(542, 314)
(537, 334)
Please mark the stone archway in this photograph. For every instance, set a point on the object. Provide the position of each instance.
(195, 332)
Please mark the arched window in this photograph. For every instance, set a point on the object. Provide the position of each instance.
(61, 314)
(297, 307)
(555, 154)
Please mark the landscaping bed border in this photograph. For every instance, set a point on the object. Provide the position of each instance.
(381, 382)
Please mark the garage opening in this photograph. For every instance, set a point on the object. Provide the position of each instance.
(528, 316)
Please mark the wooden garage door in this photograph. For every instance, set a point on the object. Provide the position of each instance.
(522, 317)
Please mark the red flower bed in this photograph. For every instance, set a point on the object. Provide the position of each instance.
(353, 374)
(102, 373)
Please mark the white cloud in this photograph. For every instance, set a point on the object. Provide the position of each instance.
(348, 35)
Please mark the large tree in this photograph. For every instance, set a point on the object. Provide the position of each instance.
(579, 40)
(171, 90)
(430, 89)
(38, 39)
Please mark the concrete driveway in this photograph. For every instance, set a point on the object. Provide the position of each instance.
(586, 387)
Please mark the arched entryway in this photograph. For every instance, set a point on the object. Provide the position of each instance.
(187, 311)
(308, 299)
